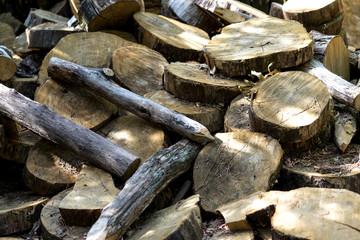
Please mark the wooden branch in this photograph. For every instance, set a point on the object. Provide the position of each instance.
(139, 191)
(54, 127)
(340, 89)
(94, 80)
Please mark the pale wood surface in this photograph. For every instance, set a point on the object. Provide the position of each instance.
(39, 16)
(7, 64)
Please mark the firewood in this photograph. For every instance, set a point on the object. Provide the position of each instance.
(52, 224)
(195, 16)
(46, 35)
(151, 177)
(125, 35)
(237, 115)
(12, 129)
(20, 47)
(78, 105)
(39, 16)
(330, 28)
(93, 190)
(139, 69)
(7, 64)
(182, 220)
(345, 129)
(340, 89)
(229, 16)
(236, 164)
(312, 13)
(332, 52)
(7, 35)
(108, 14)
(351, 20)
(94, 79)
(276, 10)
(295, 113)
(211, 116)
(93, 49)
(193, 82)
(134, 134)
(176, 41)
(75, 6)
(239, 49)
(354, 60)
(18, 211)
(51, 168)
(48, 124)
(9, 19)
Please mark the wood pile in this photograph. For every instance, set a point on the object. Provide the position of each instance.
(212, 120)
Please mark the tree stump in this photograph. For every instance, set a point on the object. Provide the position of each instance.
(108, 14)
(176, 41)
(211, 116)
(80, 106)
(51, 168)
(139, 69)
(237, 164)
(193, 82)
(295, 113)
(7, 64)
(7, 35)
(237, 114)
(39, 16)
(239, 49)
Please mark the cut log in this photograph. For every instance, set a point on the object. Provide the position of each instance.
(237, 115)
(108, 14)
(93, 49)
(139, 69)
(20, 47)
(134, 134)
(46, 35)
(312, 13)
(52, 224)
(276, 10)
(351, 20)
(295, 113)
(78, 105)
(229, 16)
(193, 82)
(195, 16)
(237, 164)
(18, 211)
(50, 168)
(93, 190)
(29, 66)
(7, 35)
(179, 221)
(340, 89)
(332, 52)
(211, 116)
(239, 49)
(48, 124)
(39, 16)
(176, 41)
(345, 129)
(62, 8)
(9, 19)
(12, 129)
(125, 35)
(330, 28)
(140, 106)
(151, 177)
(7, 64)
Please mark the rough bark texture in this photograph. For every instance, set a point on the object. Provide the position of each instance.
(149, 110)
(7, 64)
(139, 191)
(39, 16)
(48, 124)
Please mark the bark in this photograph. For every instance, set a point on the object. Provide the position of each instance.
(331, 28)
(276, 10)
(345, 129)
(139, 191)
(140, 106)
(48, 124)
(39, 16)
(7, 64)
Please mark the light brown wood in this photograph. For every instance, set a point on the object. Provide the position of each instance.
(237, 164)
(237, 114)
(182, 220)
(345, 129)
(193, 82)
(139, 69)
(7, 64)
(20, 47)
(7, 35)
(176, 41)
(351, 20)
(211, 116)
(294, 113)
(239, 49)
(39, 16)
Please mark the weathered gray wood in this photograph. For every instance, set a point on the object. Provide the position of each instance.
(52, 126)
(94, 80)
(139, 191)
(340, 89)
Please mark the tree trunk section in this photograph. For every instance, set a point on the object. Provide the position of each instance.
(7, 64)
(39, 16)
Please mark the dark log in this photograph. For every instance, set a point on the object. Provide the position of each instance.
(95, 80)
(139, 191)
(54, 127)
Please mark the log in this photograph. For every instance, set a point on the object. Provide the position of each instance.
(345, 129)
(48, 124)
(330, 28)
(295, 113)
(237, 114)
(332, 52)
(351, 20)
(62, 8)
(228, 16)
(39, 16)
(239, 49)
(125, 35)
(140, 106)
(9, 19)
(276, 10)
(7, 64)
(176, 41)
(20, 47)
(7, 35)
(340, 89)
(166, 10)
(151, 177)
(29, 66)
(108, 14)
